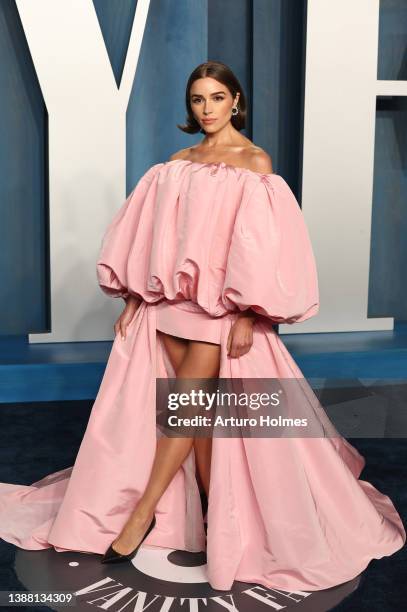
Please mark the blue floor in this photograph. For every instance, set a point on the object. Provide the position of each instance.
(73, 371)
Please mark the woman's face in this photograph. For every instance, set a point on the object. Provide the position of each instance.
(211, 103)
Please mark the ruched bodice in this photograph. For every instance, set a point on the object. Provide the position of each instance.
(224, 237)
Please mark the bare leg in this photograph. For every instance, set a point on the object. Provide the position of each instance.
(200, 360)
(176, 349)
(203, 452)
(202, 364)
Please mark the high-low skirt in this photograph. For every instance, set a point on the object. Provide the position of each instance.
(288, 513)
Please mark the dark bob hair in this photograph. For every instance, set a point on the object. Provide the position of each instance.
(222, 73)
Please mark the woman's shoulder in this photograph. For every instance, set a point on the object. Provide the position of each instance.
(182, 154)
(259, 160)
(256, 159)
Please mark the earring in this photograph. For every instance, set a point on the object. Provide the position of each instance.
(234, 108)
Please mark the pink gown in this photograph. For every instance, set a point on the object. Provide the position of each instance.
(289, 512)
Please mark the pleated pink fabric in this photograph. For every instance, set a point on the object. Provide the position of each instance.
(288, 513)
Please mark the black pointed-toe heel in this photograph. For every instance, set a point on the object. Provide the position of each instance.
(112, 556)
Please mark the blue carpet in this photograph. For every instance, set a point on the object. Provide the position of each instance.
(37, 439)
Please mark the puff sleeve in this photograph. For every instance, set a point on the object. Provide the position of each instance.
(131, 223)
(271, 267)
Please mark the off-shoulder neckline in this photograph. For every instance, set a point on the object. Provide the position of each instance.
(221, 165)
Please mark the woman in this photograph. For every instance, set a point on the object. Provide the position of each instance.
(211, 107)
(209, 251)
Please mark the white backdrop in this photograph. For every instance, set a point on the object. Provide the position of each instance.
(87, 147)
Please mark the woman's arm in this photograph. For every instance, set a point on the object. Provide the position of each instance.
(132, 298)
(132, 304)
(247, 314)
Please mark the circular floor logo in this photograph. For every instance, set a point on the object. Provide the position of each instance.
(157, 580)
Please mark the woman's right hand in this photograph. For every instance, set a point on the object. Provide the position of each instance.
(132, 304)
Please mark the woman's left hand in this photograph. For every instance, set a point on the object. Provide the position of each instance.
(240, 337)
